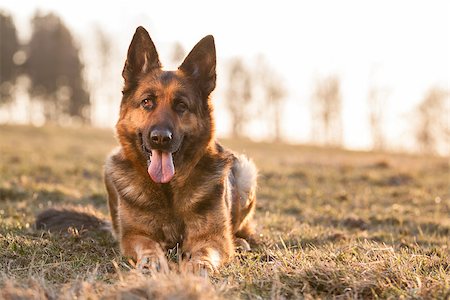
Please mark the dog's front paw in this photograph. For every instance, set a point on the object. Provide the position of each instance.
(151, 264)
(198, 266)
(242, 245)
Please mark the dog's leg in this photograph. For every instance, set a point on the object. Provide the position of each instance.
(147, 253)
(245, 229)
(207, 245)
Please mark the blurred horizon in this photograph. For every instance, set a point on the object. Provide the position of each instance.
(390, 53)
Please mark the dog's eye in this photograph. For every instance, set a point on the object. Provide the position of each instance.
(148, 103)
(181, 107)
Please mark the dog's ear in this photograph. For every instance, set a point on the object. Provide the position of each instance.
(200, 65)
(142, 56)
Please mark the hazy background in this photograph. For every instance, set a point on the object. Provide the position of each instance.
(358, 74)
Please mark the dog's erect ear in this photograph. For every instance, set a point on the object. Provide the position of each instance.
(142, 56)
(200, 65)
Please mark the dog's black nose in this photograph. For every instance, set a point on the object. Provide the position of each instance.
(160, 137)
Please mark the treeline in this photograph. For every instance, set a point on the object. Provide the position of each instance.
(50, 61)
(53, 70)
(259, 86)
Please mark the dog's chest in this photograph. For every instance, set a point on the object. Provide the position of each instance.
(172, 234)
(172, 226)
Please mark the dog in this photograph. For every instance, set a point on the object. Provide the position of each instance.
(171, 183)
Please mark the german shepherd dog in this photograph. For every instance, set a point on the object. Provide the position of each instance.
(171, 184)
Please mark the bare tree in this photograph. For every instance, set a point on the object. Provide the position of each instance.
(243, 85)
(55, 70)
(432, 131)
(273, 93)
(104, 49)
(238, 95)
(178, 53)
(8, 48)
(102, 75)
(326, 111)
(377, 106)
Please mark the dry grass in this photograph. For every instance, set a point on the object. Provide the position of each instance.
(333, 224)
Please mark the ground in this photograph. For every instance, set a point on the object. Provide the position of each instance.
(332, 223)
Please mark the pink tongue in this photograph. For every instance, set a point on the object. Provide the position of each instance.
(161, 168)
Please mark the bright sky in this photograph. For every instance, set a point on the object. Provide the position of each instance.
(399, 46)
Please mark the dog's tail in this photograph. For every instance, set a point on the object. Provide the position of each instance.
(245, 174)
(60, 219)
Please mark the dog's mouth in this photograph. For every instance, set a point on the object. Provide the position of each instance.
(160, 164)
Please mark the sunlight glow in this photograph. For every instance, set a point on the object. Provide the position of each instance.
(399, 46)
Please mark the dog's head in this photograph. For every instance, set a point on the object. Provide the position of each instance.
(165, 115)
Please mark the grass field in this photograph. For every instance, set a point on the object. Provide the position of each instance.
(333, 224)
